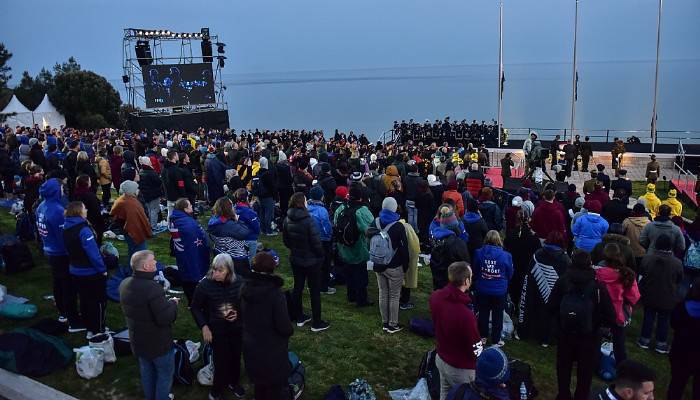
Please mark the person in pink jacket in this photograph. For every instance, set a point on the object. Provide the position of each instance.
(621, 283)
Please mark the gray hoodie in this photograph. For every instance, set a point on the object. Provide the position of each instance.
(654, 229)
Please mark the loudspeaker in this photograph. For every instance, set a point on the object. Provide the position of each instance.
(143, 52)
(512, 184)
(206, 51)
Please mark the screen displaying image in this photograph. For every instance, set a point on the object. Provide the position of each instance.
(169, 85)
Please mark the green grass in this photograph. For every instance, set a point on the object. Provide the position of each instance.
(353, 347)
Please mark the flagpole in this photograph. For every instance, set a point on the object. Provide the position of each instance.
(574, 84)
(500, 69)
(656, 78)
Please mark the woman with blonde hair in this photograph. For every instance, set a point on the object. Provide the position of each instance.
(493, 269)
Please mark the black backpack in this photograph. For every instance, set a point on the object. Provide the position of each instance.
(345, 230)
(16, 255)
(25, 227)
(183, 374)
(520, 372)
(430, 372)
(576, 310)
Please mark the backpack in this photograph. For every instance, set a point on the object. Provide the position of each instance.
(467, 389)
(345, 230)
(422, 327)
(297, 378)
(692, 256)
(25, 227)
(16, 255)
(183, 374)
(521, 372)
(381, 250)
(576, 310)
(429, 371)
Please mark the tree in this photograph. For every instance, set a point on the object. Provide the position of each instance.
(86, 99)
(69, 66)
(5, 76)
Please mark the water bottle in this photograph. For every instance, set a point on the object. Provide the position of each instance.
(523, 391)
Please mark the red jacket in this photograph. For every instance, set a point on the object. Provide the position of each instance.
(602, 196)
(548, 217)
(456, 197)
(619, 295)
(456, 333)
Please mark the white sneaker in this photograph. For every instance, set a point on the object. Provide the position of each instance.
(62, 319)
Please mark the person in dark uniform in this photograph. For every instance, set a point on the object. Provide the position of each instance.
(624, 184)
(653, 168)
(586, 154)
(554, 150)
(577, 145)
(570, 157)
(506, 164)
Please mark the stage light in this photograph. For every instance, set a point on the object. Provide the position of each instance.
(206, 50)
(125, 78)
(143, 53)
(205, 33)
(220, 47)
(139, 33)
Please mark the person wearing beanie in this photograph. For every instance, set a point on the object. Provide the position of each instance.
(651, 201)
(437, 189)
(492, 374)
(511, 214)
(475, 226)
(151, 189)
(264, 189)
(447, 246)
(633, 226)
(319, 213)
(390, 271)
(341, 197)
(263, 306)
(662, 224)
(128, 212)
(355, 256)
(451, 195)
(672, 201)
(588, 230)
(327, 183)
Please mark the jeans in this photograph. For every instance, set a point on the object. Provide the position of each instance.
(491, 306)
(106, 193)
(650, 315)
(312, 274)
(412, 214)
(451, 376)
(226, 347)
(252, 249)
(152, 209)
(92, 292)
(618, 339)
(267, 212)
(64, 292)
(171, 207)
(157, 375)
(584, 351)
(357, 280)
(133, 247)
(389, 283)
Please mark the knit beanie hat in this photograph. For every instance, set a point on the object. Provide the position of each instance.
(472, 205)
(452, 185)
(492, 367)
(145, 161)
(263, 162)
(672, 194)
(33, 141)
(447, 218)
(390, 204)
(592, 206)
(316, 193)
(342, 192)
(651, 188)
(528, 208)
(432, 179)
(355, 193)
(579, 202)
(356, 176)
(129, 187)
(517, 201)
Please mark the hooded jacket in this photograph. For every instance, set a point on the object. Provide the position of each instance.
(88, 247)
(676, 206)
(655, 229)
(49, 219)
(493, 269)
(652, 203)
(150, 185)
(323, 222)
(457, 338)
(456, 249)
(397, 235)
(619, 295)
(661, 275)
(249, 217)
(228, 236)
(492, 215)
(411, 185)
(588, 230)
(359, 252)
(633, 229)
(216, 178)
(456, 198)
(392, 174)
(300, 235)
(190, 246)
(476, 229)
(548, 217)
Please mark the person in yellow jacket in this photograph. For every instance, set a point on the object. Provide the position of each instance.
(652, 201)
(672, 201)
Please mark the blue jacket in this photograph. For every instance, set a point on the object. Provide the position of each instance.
(87, 240)
(588, 231)
(216, 176)
(435, 227)
(228, 236)
(49, 218)
(249, 217)
(493, 269)
(190, 246)
(323, 222)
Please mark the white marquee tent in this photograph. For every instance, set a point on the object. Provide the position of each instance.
(47, 115)
(22, 116)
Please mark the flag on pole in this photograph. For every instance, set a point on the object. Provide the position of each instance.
(503, 80)
(576, 88)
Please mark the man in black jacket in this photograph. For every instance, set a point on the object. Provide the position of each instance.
(149, 316)
(622, 183)
(174, 180)
(264, 189)
(151, 188)
(615, 211)
(411, 189)
(586, 152)
(283, 173)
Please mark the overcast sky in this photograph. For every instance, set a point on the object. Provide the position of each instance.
(307, 35)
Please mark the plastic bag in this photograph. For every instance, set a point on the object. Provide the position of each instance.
(508, 327)
(89, 361)
(205, 376)
(420, 392)
(105, 343)
(193, 349)
(108, 248)
(17, 310)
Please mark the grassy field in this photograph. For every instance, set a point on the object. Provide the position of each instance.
(353, 347)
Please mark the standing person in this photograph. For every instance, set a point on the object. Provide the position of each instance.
(475, 227)
(83, 166)
(621, 284)
(319, 213)
(554, 150)
(616, 211)
(457, 339)
(82, 192)
(88, 271)
(651, 201)
(579, 337)
(455, 197)
(249, 217)
(411, 183)
(570, 157)
(662, 225)
(189, 243)
(522, 244)
(105, 176)
(283, 173)
(672, 201)
(489, 210)
(127, 210)
(216, 308)
(151, 189)
(173, 180)
(685, 350)
(115, 165)
(149, 317)
(634, 381)
(355, 256)
(50, 222)
(229, 234)
(653, 169)
(447, 247)
(661, 275)
(633, 226)
(426, 210)
(589, 229)
(266, 330)
(586, 152)
(506, 164)
(301, 237)
(548, 216)
(216, 178)
(493, 269)
(265, 193)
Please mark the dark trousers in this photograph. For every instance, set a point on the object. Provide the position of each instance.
(326, 266)
(584, 351)
(188, 288)
(650, 316)
(92, 292)
(405, 296)
(267, 213)
(618, 339)
(106, 193)
(681, 373)
(569, 167)
(271, 392)
(64, 292)
(241, 267)
(584, 163)
(226, 347)
(357, 280)
(491, 306)
(284, 195)
(311, 274)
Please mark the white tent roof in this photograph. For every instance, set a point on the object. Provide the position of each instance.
(45, 106)
(15, 106)
(47, 115)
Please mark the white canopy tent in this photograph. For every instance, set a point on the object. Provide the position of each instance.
(47, 115)
(22, 116)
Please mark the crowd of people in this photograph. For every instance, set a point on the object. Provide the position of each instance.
(567, 264)
(452, 132)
